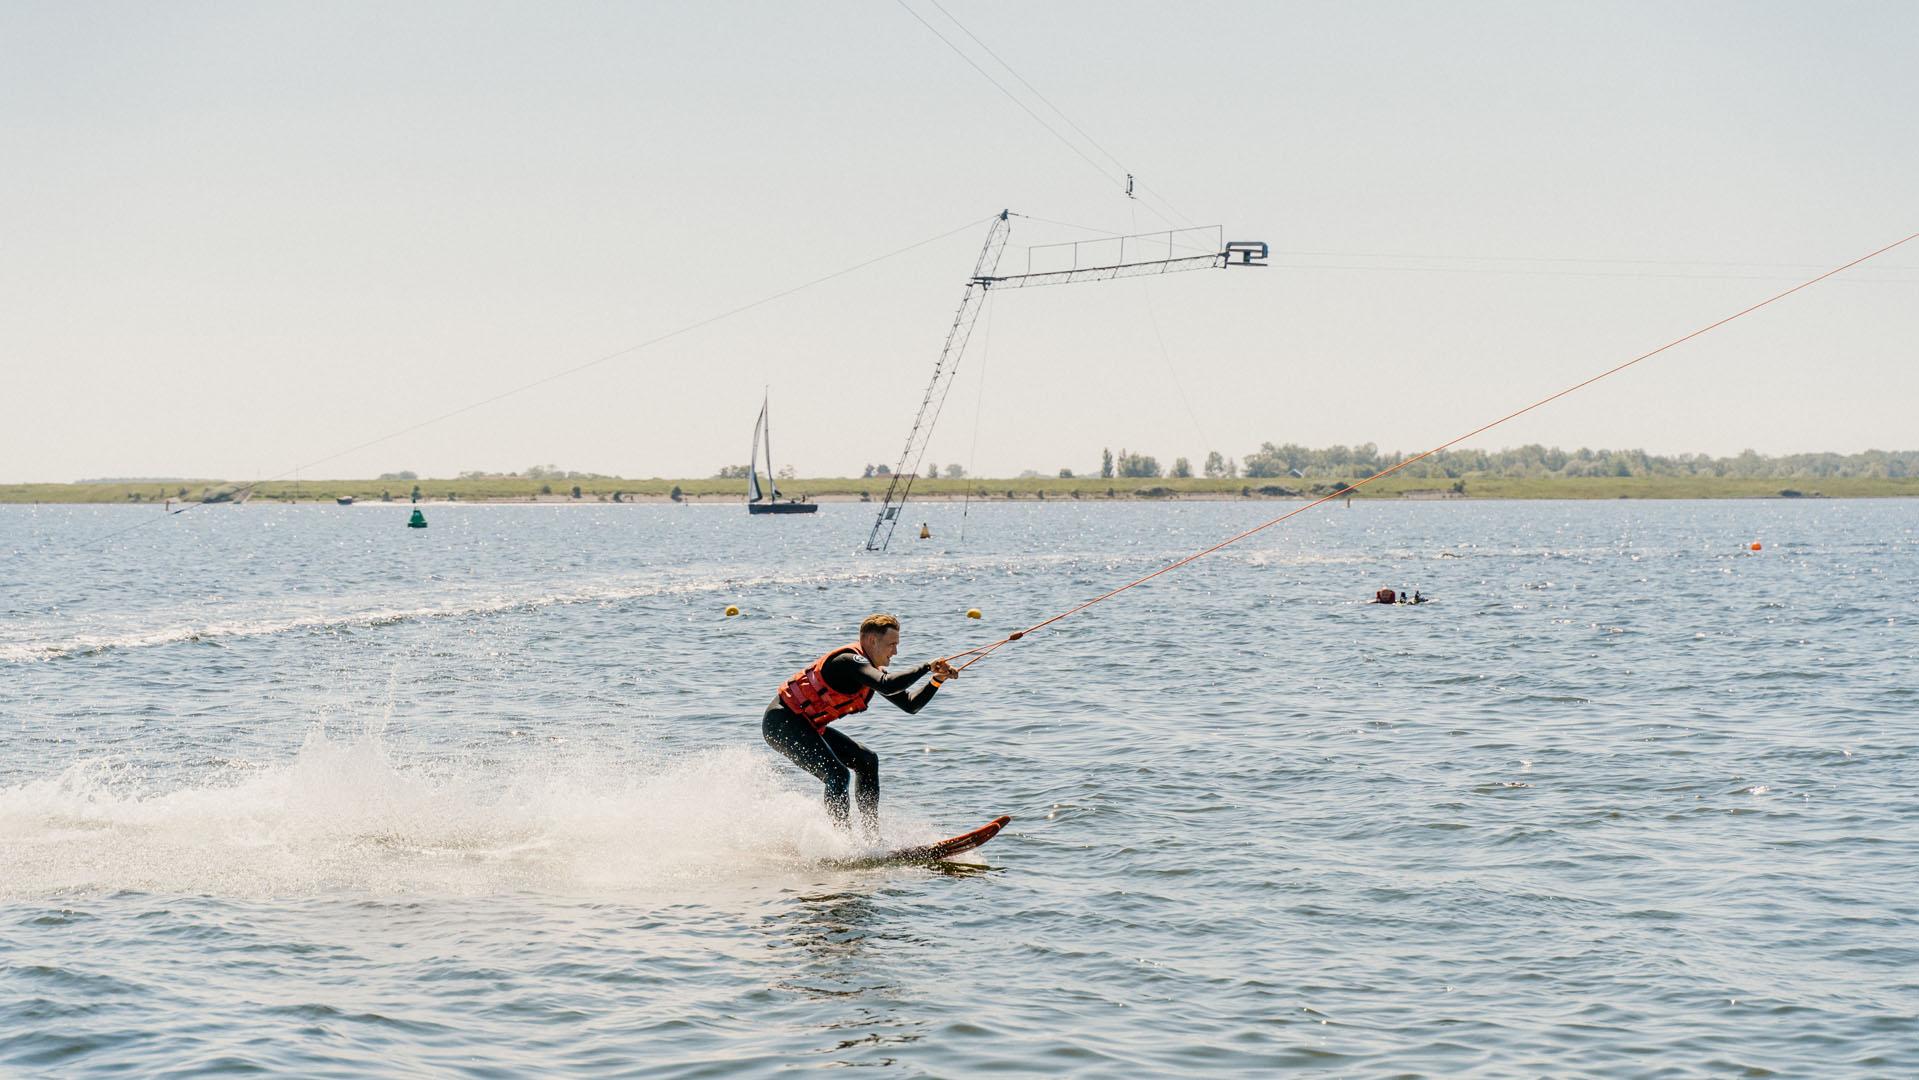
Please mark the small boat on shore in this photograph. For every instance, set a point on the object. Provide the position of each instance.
(768, 501)
(344, 500)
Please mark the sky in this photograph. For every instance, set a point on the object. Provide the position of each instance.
(251, 240)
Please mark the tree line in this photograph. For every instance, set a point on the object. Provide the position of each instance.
(1522, 462)
(1273, 460)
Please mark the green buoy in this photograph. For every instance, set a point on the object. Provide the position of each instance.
(417, 521)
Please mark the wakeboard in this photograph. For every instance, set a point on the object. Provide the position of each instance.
(937, 852)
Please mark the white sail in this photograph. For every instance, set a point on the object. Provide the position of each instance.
(771, 481)
(753, 493)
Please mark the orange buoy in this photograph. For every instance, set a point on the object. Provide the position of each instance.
(1755, 545)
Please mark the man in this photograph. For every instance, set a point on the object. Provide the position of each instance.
(837, 685)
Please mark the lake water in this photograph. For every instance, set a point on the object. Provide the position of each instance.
(298, 789)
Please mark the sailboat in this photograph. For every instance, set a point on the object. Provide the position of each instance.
(768, 501)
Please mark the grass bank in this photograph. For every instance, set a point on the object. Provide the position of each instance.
(707, 489)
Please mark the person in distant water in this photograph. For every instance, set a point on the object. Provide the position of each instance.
(1418, 599)
(838, 685)
(1402, 597)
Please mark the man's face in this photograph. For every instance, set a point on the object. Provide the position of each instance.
(879, 648)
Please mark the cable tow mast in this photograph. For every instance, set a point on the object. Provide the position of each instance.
(942, 381)
(1103, 259)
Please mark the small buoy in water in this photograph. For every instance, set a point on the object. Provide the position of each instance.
(972, 613)
(732, 610)
(417, 521)
(1755, 545)
(925, 533)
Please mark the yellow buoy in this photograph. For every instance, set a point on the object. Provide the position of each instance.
(972, 613)
(925, 533)
(731, 610)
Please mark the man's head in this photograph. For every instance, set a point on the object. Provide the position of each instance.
(879, 638)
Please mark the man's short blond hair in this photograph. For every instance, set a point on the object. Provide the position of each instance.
(878, 624)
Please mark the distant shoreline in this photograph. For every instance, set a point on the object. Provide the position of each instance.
(521, 490)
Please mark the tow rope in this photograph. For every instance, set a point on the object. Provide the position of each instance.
(983, 651)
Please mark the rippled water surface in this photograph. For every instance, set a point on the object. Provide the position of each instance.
(300, 789)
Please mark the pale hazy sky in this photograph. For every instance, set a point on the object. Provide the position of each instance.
(238, 238)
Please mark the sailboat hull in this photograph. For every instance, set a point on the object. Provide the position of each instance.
(781, 508)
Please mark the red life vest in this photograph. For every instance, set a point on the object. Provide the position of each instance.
(808, 694)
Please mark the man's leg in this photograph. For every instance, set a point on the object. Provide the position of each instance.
(793, 736)
(866, 769)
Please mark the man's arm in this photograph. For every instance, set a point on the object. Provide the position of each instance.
(914, 700)
(847, 673)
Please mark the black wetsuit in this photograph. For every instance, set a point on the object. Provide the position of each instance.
(831, 755)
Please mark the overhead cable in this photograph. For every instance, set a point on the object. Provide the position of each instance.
(1027, 109)
(567, 372)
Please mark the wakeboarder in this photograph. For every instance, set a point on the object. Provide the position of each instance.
(838, 685)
